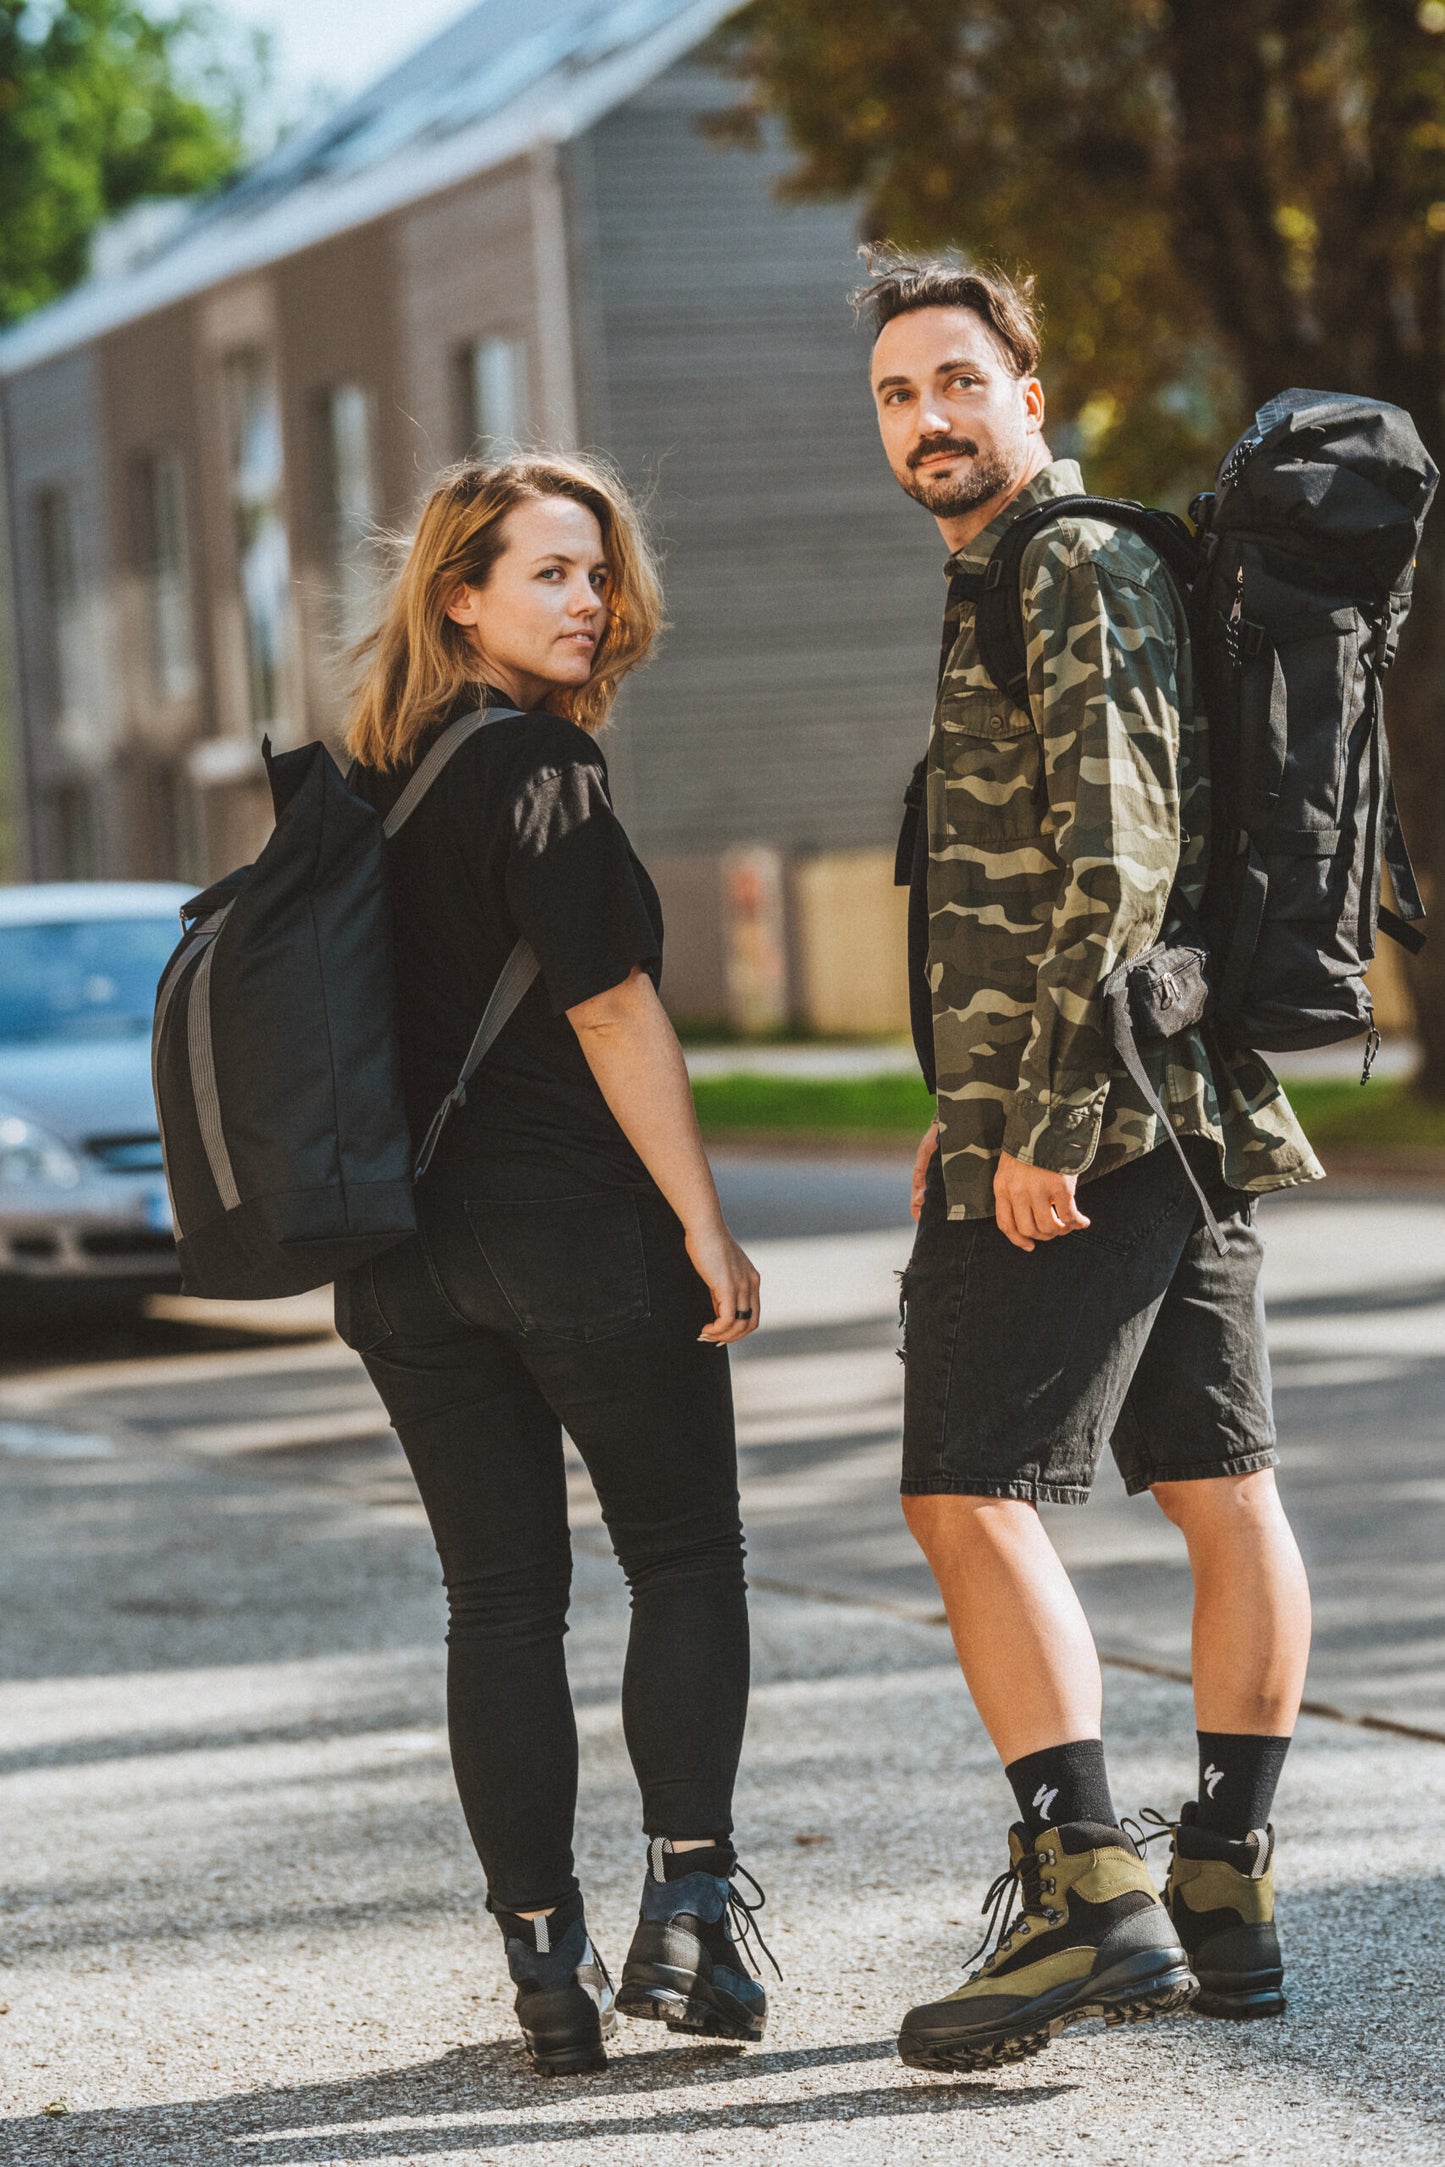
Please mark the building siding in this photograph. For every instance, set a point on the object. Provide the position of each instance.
(790, 699)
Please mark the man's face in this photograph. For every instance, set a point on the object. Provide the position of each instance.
(955, 420)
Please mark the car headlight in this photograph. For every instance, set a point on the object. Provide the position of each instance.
(30, 1157)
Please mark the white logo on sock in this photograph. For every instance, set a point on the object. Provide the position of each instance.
(1212, 1778)
(1043, 1799)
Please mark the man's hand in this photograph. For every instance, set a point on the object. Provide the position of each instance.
(1032, 1204)
(920, 1167)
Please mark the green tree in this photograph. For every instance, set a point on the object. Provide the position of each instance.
(101, 107)
(1219, 197)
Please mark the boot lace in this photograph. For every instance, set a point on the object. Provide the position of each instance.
(1025, 1885)
(743, 1917)
(1156, 1826)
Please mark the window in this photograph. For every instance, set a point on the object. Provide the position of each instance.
(65, 614)
(166, 572)
(253, 421)
(350, 506)
(492, 394)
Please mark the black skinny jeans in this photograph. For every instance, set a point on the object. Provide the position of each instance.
(498, 1325)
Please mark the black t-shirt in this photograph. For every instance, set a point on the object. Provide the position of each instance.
(517, 836)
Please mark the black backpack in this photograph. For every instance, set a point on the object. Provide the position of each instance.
(274, 1053)
(1296, 574)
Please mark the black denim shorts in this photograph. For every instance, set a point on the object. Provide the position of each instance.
(1136, 1333)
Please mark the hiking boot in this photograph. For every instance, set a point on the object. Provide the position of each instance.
(1220, 1895)
(1091, 1939)
(685, 1969)
(564, 1999)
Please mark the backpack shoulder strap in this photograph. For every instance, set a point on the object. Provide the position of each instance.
(513, 981)
(451, 741)
(997, 591)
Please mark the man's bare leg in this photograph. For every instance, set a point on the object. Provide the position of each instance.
(1251, 1602)
(1090, 1936)
(1251, 1644)
(1021, 1636)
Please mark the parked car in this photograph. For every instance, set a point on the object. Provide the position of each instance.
(85, 1220)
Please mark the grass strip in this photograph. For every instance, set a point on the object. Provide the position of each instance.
(1384, 1115)
(895, 1104)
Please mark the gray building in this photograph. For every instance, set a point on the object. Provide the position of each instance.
(522, 233)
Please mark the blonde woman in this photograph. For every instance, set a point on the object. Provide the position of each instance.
(573, 1269)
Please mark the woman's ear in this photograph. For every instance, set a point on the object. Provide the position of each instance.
(464, 604)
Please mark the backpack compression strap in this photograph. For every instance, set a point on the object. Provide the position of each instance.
(521, 966)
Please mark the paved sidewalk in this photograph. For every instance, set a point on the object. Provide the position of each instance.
(242, 1921)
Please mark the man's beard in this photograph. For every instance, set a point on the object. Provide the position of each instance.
(950, 495)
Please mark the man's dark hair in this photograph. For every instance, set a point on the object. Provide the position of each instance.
(897, 284)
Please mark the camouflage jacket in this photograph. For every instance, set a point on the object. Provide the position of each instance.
(1055, 836)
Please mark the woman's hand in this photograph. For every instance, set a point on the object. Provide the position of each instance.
(632, 1050)
(731, 1281)
(920, 1168)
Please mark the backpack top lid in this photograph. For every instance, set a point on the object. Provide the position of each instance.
(1342, 480)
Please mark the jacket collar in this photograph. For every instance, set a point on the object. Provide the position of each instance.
(1061, 478)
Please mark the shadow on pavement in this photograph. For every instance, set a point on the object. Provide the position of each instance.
(67, 1340)
(492, 2078)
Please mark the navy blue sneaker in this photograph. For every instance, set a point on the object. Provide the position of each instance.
(685, 1969)
(565, 2001)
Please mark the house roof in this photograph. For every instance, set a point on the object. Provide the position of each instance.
(506, 77)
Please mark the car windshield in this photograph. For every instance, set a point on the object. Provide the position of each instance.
(76, 981)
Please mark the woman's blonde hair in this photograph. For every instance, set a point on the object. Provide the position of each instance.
(417, 663)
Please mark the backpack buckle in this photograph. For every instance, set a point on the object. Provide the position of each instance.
(993, 573)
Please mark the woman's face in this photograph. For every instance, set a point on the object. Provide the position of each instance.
(537, 622)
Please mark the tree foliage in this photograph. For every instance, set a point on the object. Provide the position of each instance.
(100, 107)
(1220, 198)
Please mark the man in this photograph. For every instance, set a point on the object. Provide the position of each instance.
(1063, 1291)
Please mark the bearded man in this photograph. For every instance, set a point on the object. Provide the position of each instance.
(1064, 1290)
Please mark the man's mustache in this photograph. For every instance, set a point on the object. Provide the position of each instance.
(929, 446)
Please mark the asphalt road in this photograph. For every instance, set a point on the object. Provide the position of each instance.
(1356, 1294)
(239, 1916)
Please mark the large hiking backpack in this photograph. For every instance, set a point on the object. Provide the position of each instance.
(1297, 575)
(274, 1053)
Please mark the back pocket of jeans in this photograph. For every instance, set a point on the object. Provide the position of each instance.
(359, 1318)
(570, 1267)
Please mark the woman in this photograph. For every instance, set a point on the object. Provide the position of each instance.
(573, 1269)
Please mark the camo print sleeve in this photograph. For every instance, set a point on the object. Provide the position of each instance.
(1103, 675)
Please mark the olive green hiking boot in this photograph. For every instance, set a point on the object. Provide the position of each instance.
(1092, 1939)
(1220, 1895)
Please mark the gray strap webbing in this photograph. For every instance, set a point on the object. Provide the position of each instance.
(521, 966)
(1121, 1030)
(514, 978)
(451, 740)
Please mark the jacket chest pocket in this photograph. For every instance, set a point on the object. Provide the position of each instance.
(989, 757)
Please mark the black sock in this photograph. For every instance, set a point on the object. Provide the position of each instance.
(1238, 1773)
(554, 1924)
(713, 1858)
(1063, 1783)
